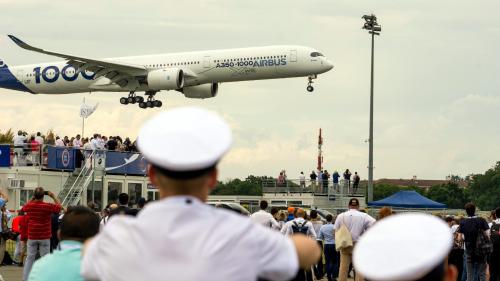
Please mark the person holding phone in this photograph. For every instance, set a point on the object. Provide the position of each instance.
(39, 226)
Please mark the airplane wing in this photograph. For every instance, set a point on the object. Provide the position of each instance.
(122, 74)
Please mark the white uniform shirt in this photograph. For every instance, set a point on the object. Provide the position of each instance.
(93, 144)
(18, 140)
(302, 178)
(266, 219)
(288, 230)
(180, 238)
(39, 139)
(77, 143)
(357, 222)
(59, 142)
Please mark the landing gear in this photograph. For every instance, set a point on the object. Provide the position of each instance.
(132, 98)
(310, 88)
(150, 102)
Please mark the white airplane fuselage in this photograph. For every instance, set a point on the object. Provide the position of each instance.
(202, 67)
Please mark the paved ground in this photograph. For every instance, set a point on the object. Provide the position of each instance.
(11, 273)
(15, 273)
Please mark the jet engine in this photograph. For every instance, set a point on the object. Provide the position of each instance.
(201, 91)
(166, 79)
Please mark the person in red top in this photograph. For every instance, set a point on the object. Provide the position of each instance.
(39, 226)
(15, 229)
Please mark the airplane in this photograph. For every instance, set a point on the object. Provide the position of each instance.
(195, 74)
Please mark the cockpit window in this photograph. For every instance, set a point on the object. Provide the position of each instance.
(316, 54)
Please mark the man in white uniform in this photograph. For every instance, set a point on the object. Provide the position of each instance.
(180, 237)
(19, 140)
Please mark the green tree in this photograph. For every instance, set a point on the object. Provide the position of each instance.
(450, 194)
(250, 186)
(6, 137)
(485, 188)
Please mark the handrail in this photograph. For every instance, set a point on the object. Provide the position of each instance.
(82, 174)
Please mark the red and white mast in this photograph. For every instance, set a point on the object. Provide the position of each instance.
(320, 152)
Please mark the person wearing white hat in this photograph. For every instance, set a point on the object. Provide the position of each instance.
(406, 247)
(179, 237)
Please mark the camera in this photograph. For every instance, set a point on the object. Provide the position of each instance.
(45, 193)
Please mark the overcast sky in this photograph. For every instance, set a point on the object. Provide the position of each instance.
(436, 89)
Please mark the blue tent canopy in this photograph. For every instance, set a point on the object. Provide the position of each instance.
(407, 199)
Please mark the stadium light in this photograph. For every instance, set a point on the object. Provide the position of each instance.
(373, 28)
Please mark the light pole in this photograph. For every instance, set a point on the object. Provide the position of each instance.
(374, 29)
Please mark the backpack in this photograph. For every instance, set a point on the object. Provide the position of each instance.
(300, 228)
(495, 237)
(458, 243)
(484, 246)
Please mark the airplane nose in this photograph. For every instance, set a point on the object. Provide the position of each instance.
(328, 65)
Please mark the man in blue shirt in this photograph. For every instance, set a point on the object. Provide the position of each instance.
(78, 224)
(335, 178)
(332, 257)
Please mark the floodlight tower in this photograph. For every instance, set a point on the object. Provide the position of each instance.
(320, 151)
(373, 28)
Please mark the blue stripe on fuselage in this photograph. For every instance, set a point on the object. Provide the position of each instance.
(9, 81)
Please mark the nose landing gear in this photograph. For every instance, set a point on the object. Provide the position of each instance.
(310, 88)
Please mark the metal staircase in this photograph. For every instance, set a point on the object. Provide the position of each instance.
(77, 184)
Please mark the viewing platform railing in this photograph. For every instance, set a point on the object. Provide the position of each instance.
(317, 187)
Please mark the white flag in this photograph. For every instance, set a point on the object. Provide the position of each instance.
(86, 110)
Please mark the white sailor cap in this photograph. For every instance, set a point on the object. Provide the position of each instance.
(404, 247)
(184, 142)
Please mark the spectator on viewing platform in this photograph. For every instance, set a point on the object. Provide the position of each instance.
(78, 224)
(325, 177)
(39, 226)
(94, 145)
(320, 179)
(39, 139)
(111, 144)
(59, 142)
(471, 228)
(335, 179)
(302, 180)
(264, 218)
(35, 151)
(347, 179)
(313, 178)
(127, 144)
(19, 141)
(355, 184)
(180, 237)
(389, 250)
(77, 142)
(332, 257)
(66, 141)
(5, 217)
(357, 223)
(281, 179)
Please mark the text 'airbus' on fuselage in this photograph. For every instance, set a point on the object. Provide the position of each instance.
(195, 74)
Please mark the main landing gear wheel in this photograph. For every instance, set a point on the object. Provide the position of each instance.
(132, 98)
(150, 102)
(310, 88)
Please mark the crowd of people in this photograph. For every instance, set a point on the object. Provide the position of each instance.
(319, 181)
(181, 238)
